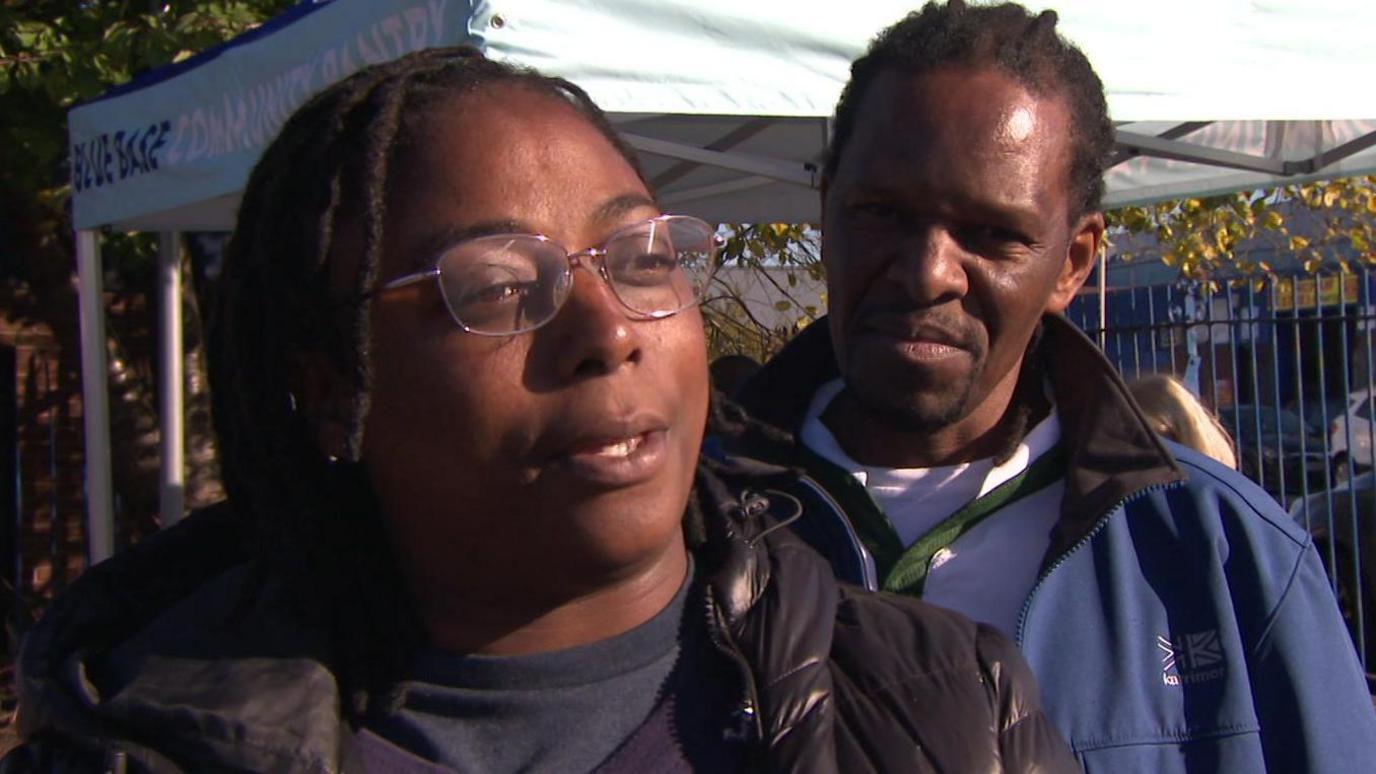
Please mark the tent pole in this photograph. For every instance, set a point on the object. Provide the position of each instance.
(171, 476)
(95, 396)
(1103, 297)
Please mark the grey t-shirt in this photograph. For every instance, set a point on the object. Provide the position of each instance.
(564, 711)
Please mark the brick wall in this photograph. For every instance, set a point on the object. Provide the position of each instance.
(44, 508)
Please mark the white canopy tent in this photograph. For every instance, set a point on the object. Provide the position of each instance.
(727, 102)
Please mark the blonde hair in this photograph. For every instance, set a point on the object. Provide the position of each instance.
(1174, 413)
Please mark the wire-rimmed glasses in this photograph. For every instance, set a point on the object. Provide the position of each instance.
(503, 284)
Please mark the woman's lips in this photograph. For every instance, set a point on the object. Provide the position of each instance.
(615, 462)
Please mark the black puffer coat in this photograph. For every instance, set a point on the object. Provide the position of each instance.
(831, 678)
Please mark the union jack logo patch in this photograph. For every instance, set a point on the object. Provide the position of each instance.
(1191, 658)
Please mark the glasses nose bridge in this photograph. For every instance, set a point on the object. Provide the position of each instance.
(593, 259)
(593, 254)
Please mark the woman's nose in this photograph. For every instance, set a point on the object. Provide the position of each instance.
(596, 333)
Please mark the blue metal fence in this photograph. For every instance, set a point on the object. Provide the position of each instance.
(1285, 362)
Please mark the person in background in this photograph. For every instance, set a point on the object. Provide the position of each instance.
(1177, 415)
(731, 372)
(964, 443)
(460, 385)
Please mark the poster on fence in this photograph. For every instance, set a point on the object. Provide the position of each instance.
(1328, 290)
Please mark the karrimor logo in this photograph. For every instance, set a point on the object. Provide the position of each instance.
(1191, 658)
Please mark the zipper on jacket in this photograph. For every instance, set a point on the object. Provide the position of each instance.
(868, 573)
(1083, 541)
(748, 713)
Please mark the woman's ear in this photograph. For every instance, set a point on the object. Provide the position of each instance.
(319, 396)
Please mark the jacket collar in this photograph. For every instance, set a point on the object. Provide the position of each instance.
(780, 393)
(1113, 452)
(176, 640)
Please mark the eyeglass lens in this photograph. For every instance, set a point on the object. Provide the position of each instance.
(513, 283)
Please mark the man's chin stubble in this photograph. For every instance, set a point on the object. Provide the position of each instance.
(907, 416)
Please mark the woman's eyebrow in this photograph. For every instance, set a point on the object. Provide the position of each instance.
(617, 206)
(446, 237)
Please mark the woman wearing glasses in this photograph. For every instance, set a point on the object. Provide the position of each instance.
(460, 388)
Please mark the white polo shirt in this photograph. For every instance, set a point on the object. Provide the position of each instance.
(987, 572)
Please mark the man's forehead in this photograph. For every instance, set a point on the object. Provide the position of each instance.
(979, 118)
(967, 96)
(1016, 122)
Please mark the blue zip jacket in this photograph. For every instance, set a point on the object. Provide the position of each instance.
(1181, 622)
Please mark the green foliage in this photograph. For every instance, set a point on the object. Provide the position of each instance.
(1321, 223)
(767, 291)
(57, 53)
(53, 55)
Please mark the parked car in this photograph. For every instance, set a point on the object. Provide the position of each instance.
(1276, 451)
(1345, 542)
(1349, 435)
(1318, 411)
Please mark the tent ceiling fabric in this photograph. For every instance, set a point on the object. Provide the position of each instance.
(1242, 154)
(728, 101)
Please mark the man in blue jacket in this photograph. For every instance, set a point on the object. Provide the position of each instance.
(960, 441)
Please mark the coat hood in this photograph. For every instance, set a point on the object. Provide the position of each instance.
(176, 642)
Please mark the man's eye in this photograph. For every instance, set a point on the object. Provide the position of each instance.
(993, 235)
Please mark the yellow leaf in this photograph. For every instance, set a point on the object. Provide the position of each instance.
(1273, 220)
(1224, 241)
(1298, 243)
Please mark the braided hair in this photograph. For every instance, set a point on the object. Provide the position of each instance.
(1006, 37)
(289, 297)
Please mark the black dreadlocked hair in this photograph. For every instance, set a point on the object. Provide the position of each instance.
(287, 298)
(1006, 37)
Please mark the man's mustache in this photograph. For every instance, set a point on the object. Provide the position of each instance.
(930, 326)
